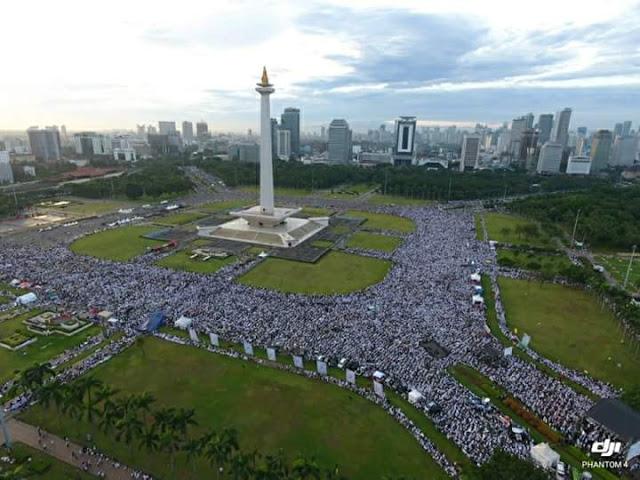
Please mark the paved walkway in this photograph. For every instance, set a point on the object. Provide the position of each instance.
(66, 451)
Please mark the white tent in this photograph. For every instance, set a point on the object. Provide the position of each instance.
(544, 455)
(378, 376)
(183, 322)
(26, 299)
(415, 396)
(477, 299)
(475, 277)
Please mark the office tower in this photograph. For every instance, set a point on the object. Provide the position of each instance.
(527, 147)
(6, 174)
(550, 158)
(244, 152)
(165, 128)
(202, 129)
(518, 126)
(64, 138)
(624, 151)
(404, 145)
(582, 131)
(284, 144)
(92, 143)
(290, 120)
(600, 150)
(45, 144)
(151, 130)
(529, 120)
(626, 128)
(579, 165)
(470, 152)
(560, 131)
(545, 124)
(187, 131)
(323, 132)
(617, 130)
(339, 147)
(274, 138)
(140, 131)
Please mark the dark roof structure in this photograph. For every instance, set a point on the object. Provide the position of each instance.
(617, 417)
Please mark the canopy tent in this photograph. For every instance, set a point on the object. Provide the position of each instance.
(113, 320)
(156, 320)
(475, 277)
(478, 300)
(183, 323)
(544, 455)
(415, 396)
(26, 299)
(378, 376)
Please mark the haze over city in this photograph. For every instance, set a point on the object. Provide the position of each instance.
(456, 62)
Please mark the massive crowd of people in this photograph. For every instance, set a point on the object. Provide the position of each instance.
(427, 294)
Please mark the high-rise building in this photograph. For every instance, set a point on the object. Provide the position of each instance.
(323, 132)
(274, 138)
(404, 145)
(579, 165)
(202, 129)
(45, 144)
(617, 130)
(470, 152)
(600, 150)
(140, 131)
(626, 128)
(92, 143)
(187, 131)
(6, 174)
(290, 120)
(339, 148)
(151, 130)
(529, 119)
(244, 152)
(625, 149)
(545, 124)
(550, 158)
(518, 126)
(560, 131)
(166, 128)
(284, 144)
(527, 150)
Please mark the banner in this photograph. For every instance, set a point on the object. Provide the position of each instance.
(248, 348)
(297, 361)
(215, 341)
(351, 376)
(193, 335)
(378, 389)
(525, 340)
(271, 354)
(508, 351)
(321, 367)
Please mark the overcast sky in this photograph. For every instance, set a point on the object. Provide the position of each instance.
(100, 65)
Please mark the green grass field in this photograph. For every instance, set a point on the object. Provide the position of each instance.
(44, 349)
(295, 414)
(334, 273)
(282, 191)
(120, 244)
(617, 266)
(42, 466)
(379, 199)
(91, 207)
(316, 212)
(372, 241)
(217, 207)
(568, 325)
(181, 261)
(346, 192)
(548, 264)
(502, 228)
(322, 244)
(180, 218)
(383, 221)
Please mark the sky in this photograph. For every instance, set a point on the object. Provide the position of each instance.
(101, 65)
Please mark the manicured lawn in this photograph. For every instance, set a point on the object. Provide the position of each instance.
(92, 207)
(216, 207)
(379, 199)
(120, 244)
(44, 349)
(180, 218)
(503, 228)
(42, 466)
(569, 326)
(617, 266)
(271, 410)
(284, 191)
(181, 261)
(346, 192)
(383, 221)
(372, 241)
(548, 264)
(334, 273)
(316, 212)
(322, 244)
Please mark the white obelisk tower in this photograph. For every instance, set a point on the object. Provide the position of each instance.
(264, 88)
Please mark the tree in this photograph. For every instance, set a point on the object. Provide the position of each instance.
(133, 191)
(150, 439)
(503, 466)
(243, 465)
(194, 449)
(87, 386)
(305, 469)
(52, 392)
(220, 447)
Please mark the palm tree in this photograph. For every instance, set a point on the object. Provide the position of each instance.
(86, 387)
(183, 419)
(193, 449)
(333, 474)
(220, 448)
(128, 427)
(72, 404)
(274, 467)
(142, 403)
(163, 418)
(304, 468)
(52, 392)
(243, 465)
(150, 440)
(170, 442)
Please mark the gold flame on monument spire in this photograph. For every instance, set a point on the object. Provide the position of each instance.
(265, 77)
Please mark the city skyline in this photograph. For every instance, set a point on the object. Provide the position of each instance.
(488, 64)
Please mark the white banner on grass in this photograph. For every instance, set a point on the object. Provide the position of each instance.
(193, 335)
(378, 389)
(297, 361)
(508, 351)
(271, 354)
(248, 348)
(215, 340)
(321, 367)
(525, 340)
(351, 376)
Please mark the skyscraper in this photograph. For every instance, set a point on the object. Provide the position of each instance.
(470, 152)
(600, 150)
(202, 129)
(284, 144)
(404, 151)
(187, 131)
(529, 119)
(45, 144)
(545, 124)
(166, 128)
(550, 158)
(6, 174)
(92, 143)
(339, 148)
(290, 120)
(274, 137)
(560, 132)
(518, 126)
(626, 128)
(624, 151)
